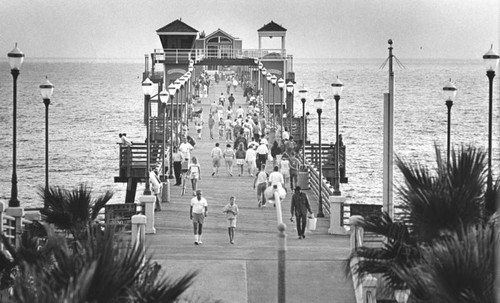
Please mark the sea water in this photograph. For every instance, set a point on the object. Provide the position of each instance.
(94, 101)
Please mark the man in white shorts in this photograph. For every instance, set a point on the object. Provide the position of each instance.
(197, 213)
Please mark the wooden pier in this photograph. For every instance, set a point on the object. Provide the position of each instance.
(247, 270)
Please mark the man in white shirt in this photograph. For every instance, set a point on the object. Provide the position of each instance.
(197, 213)
(276, 178)
(185, 149)
(261, 183)
(240, 112)
(262, 152)
(286, 134)
(250, 158)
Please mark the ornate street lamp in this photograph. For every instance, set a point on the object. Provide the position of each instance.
(16, 58)
(163, 96)
(491, 62)
(147, 89)
(261, 66)
(268, 78)
(281, 85)
(450, 91)
(289, 90)
(178, 87)
(273, 82)
(303, 97)
(171, 92)
(319, 109)
(337, 91)
(46, 91)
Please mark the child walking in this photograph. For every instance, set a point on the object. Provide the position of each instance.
(231, 210)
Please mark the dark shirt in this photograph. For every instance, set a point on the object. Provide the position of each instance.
(300, 204)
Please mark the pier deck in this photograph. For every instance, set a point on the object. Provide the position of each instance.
(247, 270)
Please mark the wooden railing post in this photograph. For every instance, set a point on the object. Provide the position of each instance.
(336, 215)
(18, 214)
(138, 229)
(148, 203)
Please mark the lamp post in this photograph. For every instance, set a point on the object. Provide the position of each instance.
(46, 91)
(268, 78)
(178, 87)
(264, 74)
(338, 86)
(147, 89)
(319, 109)
(273, 82)
(491, 62)
(281, 85)
(450, 91)
(164, 99)
(303, 96)
(289, 90)
(16, 58)
(258, 78)
(171, 91)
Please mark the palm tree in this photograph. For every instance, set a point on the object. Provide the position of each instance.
(435, 204)
(100, 268)
(72, 210)
(456, 268)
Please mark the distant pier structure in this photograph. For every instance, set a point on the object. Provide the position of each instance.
(219, 51)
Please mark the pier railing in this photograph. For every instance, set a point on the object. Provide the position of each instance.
(133, 159)
(179, 56)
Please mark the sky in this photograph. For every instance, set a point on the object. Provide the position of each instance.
(455, 29)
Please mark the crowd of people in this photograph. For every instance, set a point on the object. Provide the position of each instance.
(241, 136)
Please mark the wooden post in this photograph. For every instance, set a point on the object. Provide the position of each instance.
(369, 285)
(281, 262)
(139, 229)
(2, 213)
(148, 203)
(336, 215)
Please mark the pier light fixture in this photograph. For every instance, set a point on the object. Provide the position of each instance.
(281, 85)
(273, 82)
(261, 65)
(171, 92)
(46, 90)
(303, 97)
(164, 97)
(289, 89)
(450, 91)
(190, 68)
(16, 59)
(491, 63)
(319, 101)
(264, 71)
(147, 89)
(338, 87)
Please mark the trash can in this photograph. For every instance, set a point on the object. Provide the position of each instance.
(303, 179)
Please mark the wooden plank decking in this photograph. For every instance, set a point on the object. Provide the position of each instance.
(247, 270)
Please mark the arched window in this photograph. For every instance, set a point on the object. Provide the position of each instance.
(213, 40)
(225, 40)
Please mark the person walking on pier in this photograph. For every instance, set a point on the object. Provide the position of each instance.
(216, 155)
(228, 125)
(197, 213)
(300, 206)
(294, 169)
(194, 173)
(229, 159)
(231, 101)
(240, 155)
(222, 127)
(251, 158)
(284, 166)
(262, 153)
(185, 149)
(156, 187)
(231, 210)
(261, 182)
(211, 124)
(177, 162)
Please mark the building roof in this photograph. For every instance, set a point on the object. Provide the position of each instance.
(177, 26)
(220, 32)
(272, 27)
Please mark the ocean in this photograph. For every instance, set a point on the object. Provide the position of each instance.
(95, 100)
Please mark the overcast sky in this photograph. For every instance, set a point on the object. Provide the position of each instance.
(316, 29)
